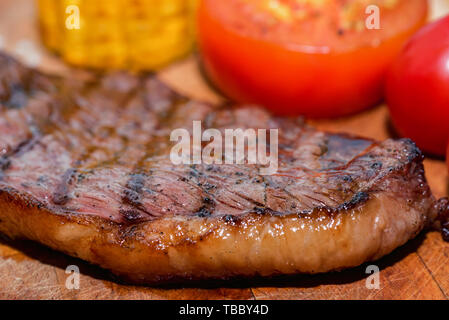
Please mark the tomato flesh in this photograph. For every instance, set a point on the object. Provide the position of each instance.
(417, 88)
(336, 73)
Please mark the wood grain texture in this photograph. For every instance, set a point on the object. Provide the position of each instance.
(418, 270)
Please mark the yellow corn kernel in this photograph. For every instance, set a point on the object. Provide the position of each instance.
(120, 34)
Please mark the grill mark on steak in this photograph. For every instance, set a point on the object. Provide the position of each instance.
(201, 177)
(134, 187)
(132, 195)
(201, 182)
(131, 215)
(23, 147)
(162, 102)
(5, 163)
(61, 194)
(158, 147)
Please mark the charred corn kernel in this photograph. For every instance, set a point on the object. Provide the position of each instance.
(119, 34)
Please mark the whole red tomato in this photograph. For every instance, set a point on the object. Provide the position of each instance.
(303, 57)
(417, 88)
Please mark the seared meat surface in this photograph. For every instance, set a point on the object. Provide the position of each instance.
(85, 169)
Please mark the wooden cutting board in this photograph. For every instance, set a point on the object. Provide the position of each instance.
(419, 270)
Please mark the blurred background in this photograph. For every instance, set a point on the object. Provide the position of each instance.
(143, 34)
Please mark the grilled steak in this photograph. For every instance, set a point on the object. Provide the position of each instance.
(85, 169)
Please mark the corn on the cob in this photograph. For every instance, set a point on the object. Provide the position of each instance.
(119, 34)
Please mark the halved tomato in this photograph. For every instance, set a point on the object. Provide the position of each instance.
(315, 58)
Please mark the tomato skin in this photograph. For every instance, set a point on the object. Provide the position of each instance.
(417, 88)
(292, 82)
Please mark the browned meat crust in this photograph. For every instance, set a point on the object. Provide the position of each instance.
(85, 169)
